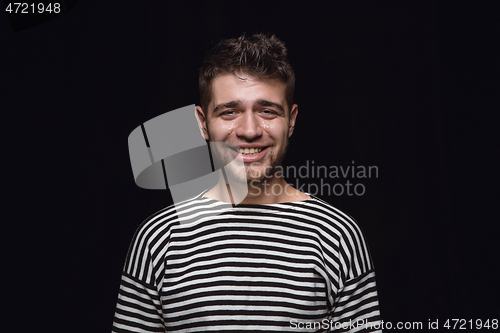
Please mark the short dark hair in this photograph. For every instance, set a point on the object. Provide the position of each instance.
(260, 56)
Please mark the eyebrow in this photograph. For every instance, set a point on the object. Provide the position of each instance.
(261, 102)
(231, 104)
(264, 102)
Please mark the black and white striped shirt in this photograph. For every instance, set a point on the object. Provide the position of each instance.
(204, 265)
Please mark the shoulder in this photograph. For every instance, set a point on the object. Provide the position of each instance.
(349, 244)
(153, 235)
(159, 225)
(335, 219)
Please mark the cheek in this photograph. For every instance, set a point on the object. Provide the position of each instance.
(220, 131)
(230, 128)
(265, 126)
(277, 131)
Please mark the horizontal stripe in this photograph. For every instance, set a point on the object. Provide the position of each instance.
(204, 265)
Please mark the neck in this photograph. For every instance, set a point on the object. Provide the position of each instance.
(271, 191)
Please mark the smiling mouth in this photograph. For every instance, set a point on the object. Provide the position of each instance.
(249, 151)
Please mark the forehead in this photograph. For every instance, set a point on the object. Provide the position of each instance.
(245, 88)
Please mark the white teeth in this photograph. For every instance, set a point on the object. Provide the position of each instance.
(249, 151)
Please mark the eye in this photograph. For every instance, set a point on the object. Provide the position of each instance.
(268, 112)
(228, 112)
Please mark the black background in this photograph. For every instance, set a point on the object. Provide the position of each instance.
(411, 87)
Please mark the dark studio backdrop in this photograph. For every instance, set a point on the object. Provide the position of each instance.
(409, 87)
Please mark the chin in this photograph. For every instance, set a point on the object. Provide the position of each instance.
(236, 174)
(246, 175)
(260, 175)
(255, 179)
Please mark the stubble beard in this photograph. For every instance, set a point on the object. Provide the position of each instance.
(265, 173)
(247, 172)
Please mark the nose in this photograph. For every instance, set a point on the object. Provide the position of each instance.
(248, 126)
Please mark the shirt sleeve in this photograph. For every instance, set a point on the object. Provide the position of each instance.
(356, 307)
(138, 308)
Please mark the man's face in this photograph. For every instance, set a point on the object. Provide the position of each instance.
(248, 114)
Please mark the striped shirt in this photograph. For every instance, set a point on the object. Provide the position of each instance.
(208, 266)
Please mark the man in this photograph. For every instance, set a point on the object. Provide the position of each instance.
(278, 260)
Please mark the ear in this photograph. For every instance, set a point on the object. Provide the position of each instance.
(202, 122)
(293, 117)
